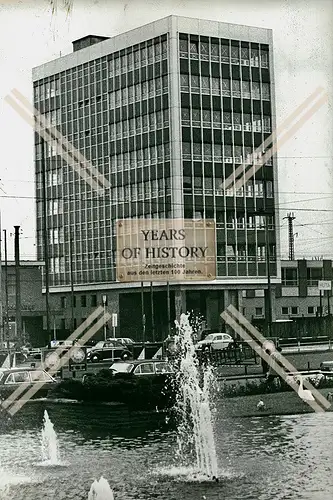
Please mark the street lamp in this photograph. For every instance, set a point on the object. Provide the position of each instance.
(104, 306)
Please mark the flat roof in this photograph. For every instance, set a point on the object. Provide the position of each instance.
(170, 24)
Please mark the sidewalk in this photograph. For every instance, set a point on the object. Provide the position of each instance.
(307, 348)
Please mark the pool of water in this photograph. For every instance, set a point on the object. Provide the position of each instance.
(260, 458)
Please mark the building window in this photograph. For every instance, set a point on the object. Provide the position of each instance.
(269, 189)
(311, 310)
(83, 301)
(194, 50)
(258, 189)
(289, 276)
(183, 48)
(294, 310)
(314, 274)
(63, 302)
(285, 311)
(258, 311)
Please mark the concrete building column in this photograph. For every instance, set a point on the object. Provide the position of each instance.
(113, 308)
(212, 311)
(180, 303)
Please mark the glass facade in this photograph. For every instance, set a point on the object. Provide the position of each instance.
(225, 116)
(116, 111)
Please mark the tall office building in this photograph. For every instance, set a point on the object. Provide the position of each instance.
(166, 112)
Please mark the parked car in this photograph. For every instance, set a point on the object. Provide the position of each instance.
(215, 341)
(326, 366)
(141, 368)
(110, 349)
(12, 378)
(123, 340)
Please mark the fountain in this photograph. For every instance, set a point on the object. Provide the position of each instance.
(100, 490)
(195, 434)
(50, 447)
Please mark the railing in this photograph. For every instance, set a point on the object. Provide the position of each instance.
(234, 355)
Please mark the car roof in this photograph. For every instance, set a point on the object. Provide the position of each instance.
(217, 333)
(140, 361)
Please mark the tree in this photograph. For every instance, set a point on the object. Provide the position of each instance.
(66, 4)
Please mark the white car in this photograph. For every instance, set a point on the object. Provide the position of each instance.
(215, 341)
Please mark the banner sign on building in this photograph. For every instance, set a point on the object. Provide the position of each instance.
(324, 285)
(166, 250)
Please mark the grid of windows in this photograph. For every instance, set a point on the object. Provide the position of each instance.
(225, 117)
(237, 53)
(115, 111)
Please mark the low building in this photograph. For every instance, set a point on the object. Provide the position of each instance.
(298, 294)
(32, 301)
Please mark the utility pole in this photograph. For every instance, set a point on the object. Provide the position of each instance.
(168, 307)
(291, 217)
(268, 301)
(45, 244)
(18, 312)
(6, 328)
(72, 281)
(2, 323)
(152, 310)
(143, 316)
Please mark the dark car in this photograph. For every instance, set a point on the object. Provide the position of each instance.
(108, 350)
(326, 366)
(141, 368)
(12, 378)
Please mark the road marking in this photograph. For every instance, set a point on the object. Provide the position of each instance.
(87, 171)
(230, 315)
(275, 141)
(16, 394)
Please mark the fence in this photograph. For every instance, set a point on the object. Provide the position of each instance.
(300, 329)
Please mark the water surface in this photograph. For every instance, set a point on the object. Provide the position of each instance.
(260, 458)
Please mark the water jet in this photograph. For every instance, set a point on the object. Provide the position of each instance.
(195, 435)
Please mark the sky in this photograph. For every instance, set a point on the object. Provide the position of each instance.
(303, 38)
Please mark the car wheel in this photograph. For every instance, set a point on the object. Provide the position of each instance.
(95, 358)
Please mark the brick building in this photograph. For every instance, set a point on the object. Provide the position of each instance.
(32, 301)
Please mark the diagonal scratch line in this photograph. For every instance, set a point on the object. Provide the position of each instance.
(256, 347)
(226, 315)
(32, 391)
(58, 351)
(242, 320)
(266, 156)
(64, 148)
(44, 123)
(282, 128)
(284, 361)
(271, 139)
(80, 169)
